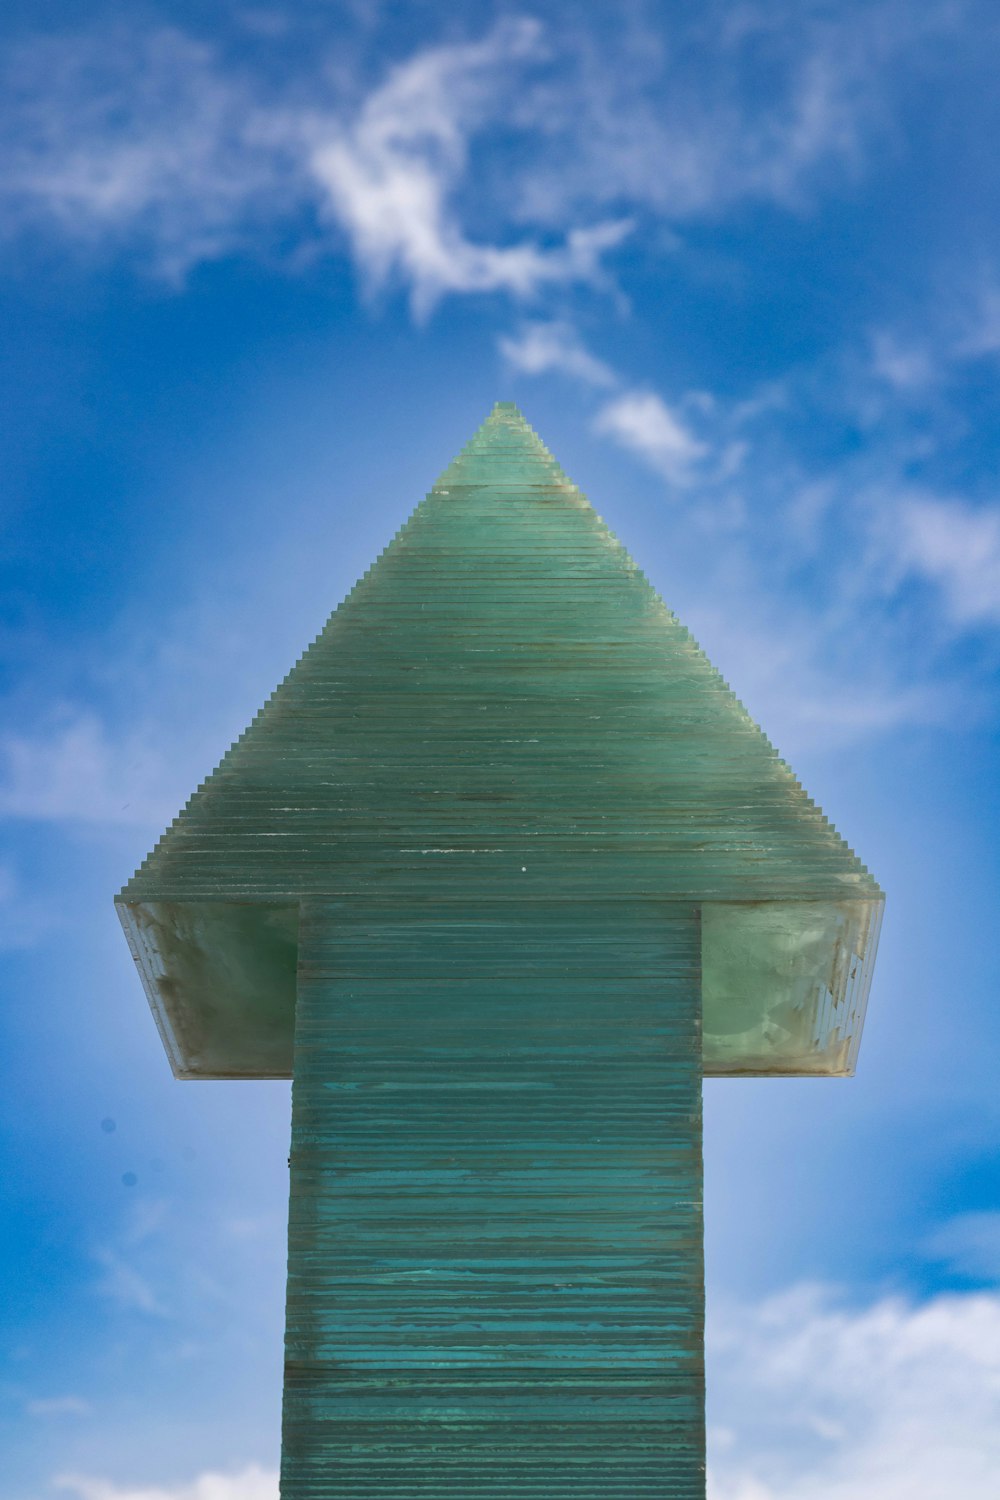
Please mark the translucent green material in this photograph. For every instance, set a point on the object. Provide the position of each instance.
(503, 705)
(495, 1283)
(500, 869)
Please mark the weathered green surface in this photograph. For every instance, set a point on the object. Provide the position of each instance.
(503, 705)
(485, 858)
(495, 1243)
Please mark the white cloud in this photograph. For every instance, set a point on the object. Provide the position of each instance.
(643, 422)
(252, 1483)
(148, 140)
(957, 324)
(955, 546)
(895, 1401)
(123, 1284)
(72, 770)
(759, 104)
(906, 366)
(540, 348)
(146, 1219)
(127, 137)
(390, 173)
(778, 663)
(153, 142)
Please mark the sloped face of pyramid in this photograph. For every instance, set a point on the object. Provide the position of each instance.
(502, 706)
(502, 700)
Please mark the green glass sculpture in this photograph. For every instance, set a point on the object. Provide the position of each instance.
(498, 872)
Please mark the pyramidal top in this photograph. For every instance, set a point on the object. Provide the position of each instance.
(502, 709)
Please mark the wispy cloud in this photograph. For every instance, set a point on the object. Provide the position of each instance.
(816, 1401)
(957, 324)
(151, 141)
(146, 140)
(642, 422)
(72, 770)
(663, 434)
(542, 348)
(252, 1483)
(389, 173)
(140, 140)
(786, 104)
(776, 658)
(146, 1220)
(126, 1286)
(904, 365)
(956, 547)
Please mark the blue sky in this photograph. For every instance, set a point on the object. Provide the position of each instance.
(263, 270)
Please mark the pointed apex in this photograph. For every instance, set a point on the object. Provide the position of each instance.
(505, 452)
(505, 414)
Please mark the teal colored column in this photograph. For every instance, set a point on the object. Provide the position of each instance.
(495, 1279)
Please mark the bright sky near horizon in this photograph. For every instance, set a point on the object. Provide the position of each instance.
(263, 270)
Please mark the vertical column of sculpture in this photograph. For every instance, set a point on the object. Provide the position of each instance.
(495, 1240)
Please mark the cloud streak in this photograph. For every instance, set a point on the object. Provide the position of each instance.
(150, 142)
(956, 547)
(389, 174)
(124, 1285)
(642, 422)
(252, 1483)
(139, 141)
(71, 770)
(639, 420)
(543, 348)
(147, 142)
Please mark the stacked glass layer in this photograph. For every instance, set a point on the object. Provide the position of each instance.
(495, 1279)
(503, 706)
(500, 868)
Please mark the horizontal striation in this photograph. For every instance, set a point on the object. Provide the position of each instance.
(495, 1229)
(502, 700)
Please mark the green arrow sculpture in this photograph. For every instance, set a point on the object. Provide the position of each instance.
(498, 872)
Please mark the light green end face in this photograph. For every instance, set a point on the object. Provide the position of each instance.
(784, 985)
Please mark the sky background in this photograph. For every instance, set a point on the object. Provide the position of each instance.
(263, 270)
